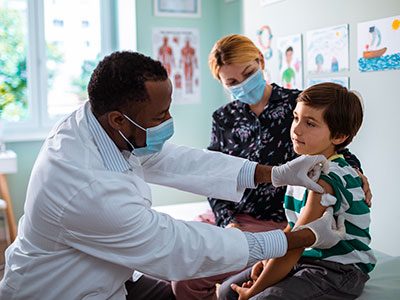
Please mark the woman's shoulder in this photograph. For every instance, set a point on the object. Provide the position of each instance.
(283, 94)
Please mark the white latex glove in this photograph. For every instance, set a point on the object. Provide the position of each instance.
(302, 171)
(327, 231)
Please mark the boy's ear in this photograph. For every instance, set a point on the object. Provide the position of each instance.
(339, 139)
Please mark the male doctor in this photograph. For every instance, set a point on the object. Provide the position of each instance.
(88, 222)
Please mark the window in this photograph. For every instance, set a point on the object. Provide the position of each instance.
(48, 49)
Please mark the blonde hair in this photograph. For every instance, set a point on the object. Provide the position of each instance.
(232, 49)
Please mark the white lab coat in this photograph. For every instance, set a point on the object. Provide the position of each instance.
(86, 228)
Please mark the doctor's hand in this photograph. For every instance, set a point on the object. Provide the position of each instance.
(302, 171)
(327, 231)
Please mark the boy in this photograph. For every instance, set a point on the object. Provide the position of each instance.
(326, 119)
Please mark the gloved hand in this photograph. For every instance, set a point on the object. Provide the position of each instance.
(327, 231)
(302, 171)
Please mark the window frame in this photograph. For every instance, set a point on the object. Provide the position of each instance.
(39, 123)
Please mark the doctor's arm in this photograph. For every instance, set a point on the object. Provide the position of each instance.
(216, 175)
(278, 268)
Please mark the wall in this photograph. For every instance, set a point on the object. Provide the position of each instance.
(26, 153)
(377, 144)
(193, 122)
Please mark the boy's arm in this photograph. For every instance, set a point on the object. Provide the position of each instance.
(276, 269)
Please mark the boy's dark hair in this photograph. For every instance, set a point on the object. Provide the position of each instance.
(119, 79)
(343, 111)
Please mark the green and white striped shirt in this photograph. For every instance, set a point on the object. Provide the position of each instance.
(347, 186)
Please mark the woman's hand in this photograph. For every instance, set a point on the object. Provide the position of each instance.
(366, 188)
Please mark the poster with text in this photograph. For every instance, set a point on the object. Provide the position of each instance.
(328, 49)
(379, 44)
(290, 62)
(178, 51)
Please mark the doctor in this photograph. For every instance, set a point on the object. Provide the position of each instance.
(88, 221)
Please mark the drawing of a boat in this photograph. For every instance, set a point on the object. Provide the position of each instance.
(374, 53)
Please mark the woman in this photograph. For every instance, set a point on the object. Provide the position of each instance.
(255, 125)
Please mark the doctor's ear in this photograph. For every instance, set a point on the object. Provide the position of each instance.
(116, 120)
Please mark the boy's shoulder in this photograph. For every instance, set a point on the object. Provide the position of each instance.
(340, 167)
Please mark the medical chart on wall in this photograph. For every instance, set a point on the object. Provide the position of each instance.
(328, 49)
(379, 44)
(178, 51)
(290, 61)
(343, 81)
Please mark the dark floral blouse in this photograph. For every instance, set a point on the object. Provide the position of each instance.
(237, 131)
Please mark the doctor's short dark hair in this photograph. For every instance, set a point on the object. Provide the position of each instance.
(343, 109)
(118, 80)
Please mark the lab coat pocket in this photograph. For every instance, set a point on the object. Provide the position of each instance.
(13, 280)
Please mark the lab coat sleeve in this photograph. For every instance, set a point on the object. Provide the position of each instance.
(118, 227)
(202, 172)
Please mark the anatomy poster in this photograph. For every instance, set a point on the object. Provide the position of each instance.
(379, 44)
(328, 49)
(290, 62)
(178, 50)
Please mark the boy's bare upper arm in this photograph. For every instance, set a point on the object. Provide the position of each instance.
(313, 209)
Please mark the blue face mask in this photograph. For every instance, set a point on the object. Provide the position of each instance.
(251, 90)
(155, 137)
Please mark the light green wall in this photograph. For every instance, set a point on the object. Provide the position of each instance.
(193, 122)
(26, 153)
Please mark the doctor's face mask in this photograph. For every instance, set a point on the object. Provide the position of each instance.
(155, 137)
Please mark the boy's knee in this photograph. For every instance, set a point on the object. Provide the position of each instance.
(193, 289)
(225, 292)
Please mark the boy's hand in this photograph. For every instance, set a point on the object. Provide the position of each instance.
(256, 270)
(303, 171)
(244, 292)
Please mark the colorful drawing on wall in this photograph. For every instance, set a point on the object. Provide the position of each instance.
(264, 38)
(178, 50)
(379, 44)
(344, 81)
(328, 49)
(263, 41)
(290, 61)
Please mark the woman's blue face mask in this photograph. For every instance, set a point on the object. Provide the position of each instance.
(155, 137)
(251, 90)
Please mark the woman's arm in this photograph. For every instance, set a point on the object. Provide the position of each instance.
(216, 140)
(223, 211)
(278, 268)
(353, 161)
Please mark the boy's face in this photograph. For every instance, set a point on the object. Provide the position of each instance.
(309, 132)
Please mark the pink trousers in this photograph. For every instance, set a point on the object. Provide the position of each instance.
(204, 288)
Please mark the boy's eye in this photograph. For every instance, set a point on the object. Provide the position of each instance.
(310, 124)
